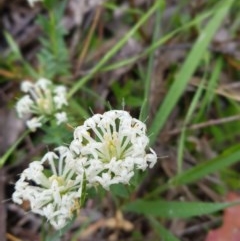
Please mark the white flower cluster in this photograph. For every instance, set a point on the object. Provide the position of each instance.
(111, 146)
(42, 101)
(52, 187)
(107, 149)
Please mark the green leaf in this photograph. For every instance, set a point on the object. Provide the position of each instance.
(188, 69)
(189, 115)
(17, 54)
(53, 56)
(84, 190)
(147, 82)
(210, 87)
(56, 134)
(162, 231)
(13, 46)
(120, 190)
(4, 158)
(167, 209)
(228, 158)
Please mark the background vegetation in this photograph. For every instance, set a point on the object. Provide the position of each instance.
(173, 64)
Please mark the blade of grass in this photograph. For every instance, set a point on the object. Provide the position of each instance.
(113, 51)
(162, 231)
(4, 158)
(147, 82)
(190, 113)
(167, 209)
(211, 85)
(229, 157)
(15, 49)
(187, 70)
(78, 109)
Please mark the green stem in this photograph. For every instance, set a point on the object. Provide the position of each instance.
(4, 158)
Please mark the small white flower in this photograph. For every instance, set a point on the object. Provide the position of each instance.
(42, 101)
(34, 123)
(43, 83)
(124, 175)
(105, 180)
(151, 158)
(61, 117)
(20, 188)
(114, 145)
(52, 187)
(26, 86)
(60, 90)
(59, 98)
(24, 106)
(60, 101)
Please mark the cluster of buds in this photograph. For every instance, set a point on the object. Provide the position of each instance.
(43, 101)
(107, 149)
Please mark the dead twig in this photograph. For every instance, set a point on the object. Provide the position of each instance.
(88, 39)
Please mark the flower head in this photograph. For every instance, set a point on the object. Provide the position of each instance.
(112, 146)
(42, 101)
(52, 187)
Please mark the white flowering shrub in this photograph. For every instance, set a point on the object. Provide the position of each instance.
(107, 149)
(43, 101)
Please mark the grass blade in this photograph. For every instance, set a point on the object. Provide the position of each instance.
(147, 82)
(189, 115)
(228, 158)
(4, 158)
(188, 69)
(166, 209)
(210, 87)
(162, 231)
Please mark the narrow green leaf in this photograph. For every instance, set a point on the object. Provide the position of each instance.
(167, 209)
(228, 158)
(163, 233)
(147, 79)
(4, 158)
(210, 87)
(84, 190)
(17, 54)
(188, 69)
(13, 46)
(190, 113)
